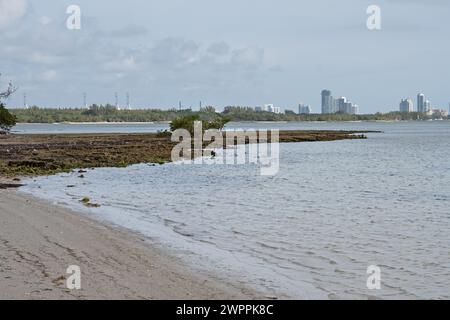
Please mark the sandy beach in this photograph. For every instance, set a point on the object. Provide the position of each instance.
(39, 241)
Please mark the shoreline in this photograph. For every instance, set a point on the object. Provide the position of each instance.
(39, 241)
(43, 154)
(241, 121)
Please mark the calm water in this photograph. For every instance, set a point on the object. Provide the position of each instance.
(311, 231)
(43, 128)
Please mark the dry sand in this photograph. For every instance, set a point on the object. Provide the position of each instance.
(39, 241)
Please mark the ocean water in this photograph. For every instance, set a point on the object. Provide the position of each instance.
(311, 231)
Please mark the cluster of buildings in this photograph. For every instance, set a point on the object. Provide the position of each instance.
(340, 105)
(268, 108)
(304, 109)
(423, 106)
(329, 105)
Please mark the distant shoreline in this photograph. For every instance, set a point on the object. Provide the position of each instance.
(110, 114)
(250, 121)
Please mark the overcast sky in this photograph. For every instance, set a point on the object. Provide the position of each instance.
(233, 52)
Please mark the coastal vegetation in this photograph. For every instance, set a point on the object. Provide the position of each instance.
(7, 120)
(35, 154)
(187, 123)
(108, 113)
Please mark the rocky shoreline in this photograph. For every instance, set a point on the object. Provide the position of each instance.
(44, 154)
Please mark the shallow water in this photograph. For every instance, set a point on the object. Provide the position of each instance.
(311, 231)
(45, 128)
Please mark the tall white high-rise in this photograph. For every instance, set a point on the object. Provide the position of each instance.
(428, 107)
(328, 104)
(421, 103)
(341, 105)
(406, 105)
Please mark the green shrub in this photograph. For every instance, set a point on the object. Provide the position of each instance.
(7, 120)
(187, 123)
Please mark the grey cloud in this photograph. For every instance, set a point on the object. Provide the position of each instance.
(175, 52)
(11, 11)
(83, 59)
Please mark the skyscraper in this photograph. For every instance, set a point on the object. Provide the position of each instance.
(428, 108)
(327, 102)
(406, 105)
(341, 105)
(421, 103)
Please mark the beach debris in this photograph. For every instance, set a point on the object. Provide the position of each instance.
(4, 186)
(87, 202)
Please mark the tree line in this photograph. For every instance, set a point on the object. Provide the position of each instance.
(109, 113)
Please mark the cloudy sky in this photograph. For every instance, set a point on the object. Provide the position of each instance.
(234, 52)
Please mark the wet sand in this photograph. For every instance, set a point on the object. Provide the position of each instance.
(39, 241)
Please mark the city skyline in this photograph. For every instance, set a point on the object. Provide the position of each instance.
(328, 105)
(166, 52)
(423, 106)
(340, 105)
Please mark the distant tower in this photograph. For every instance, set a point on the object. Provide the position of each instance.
(180, 105)
(85, 100)
(128, 101)
(406, 105)
(421, 103)
(25, 103)
(327, 102)
(200, 105)
(116, 98)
